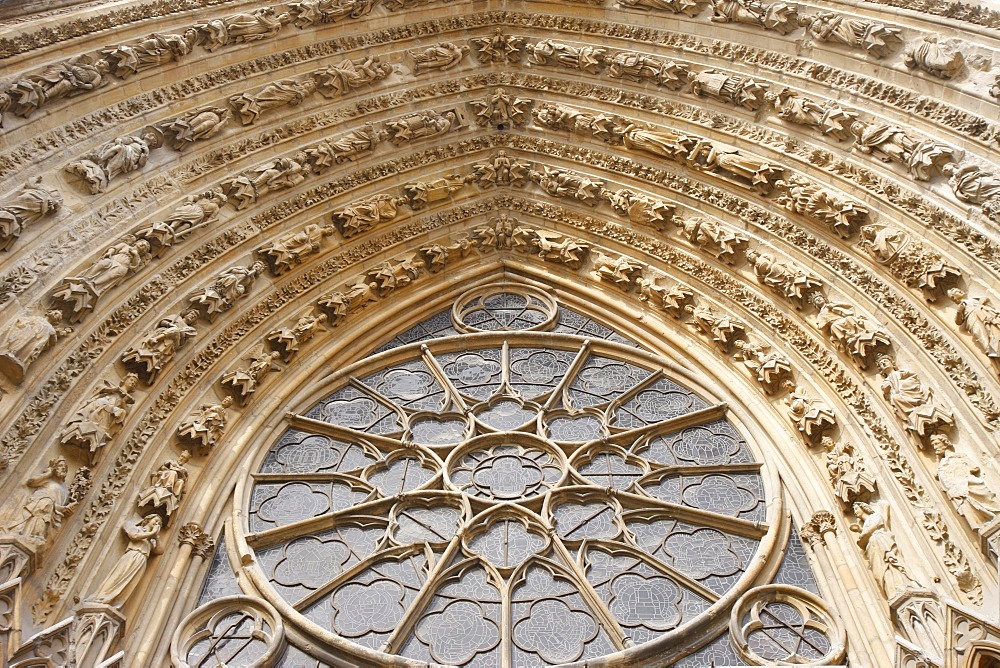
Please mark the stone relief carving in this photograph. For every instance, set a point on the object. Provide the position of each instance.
(622, 271)
(166, 485)
(250, 186)
(571, 119)
(829, 118)
(423, 125)
(288, 340)
(204, 427)
(358, 142)
(812, 417)
(744, 169)
(729, 88)
(640, 209)
(67, 78)
(963, 483)
(771, 369)
(640, 67)
(292, 249)
(788, 280)
(146, 53)
(851, 332)
(26, 338)
(78, 295)
(351, 299)
(121, 581)
(244, 382)
(364, 214)
(877, 39)
(115, 158)
(442, 56)
(672, 299)
(195, 125)
(978, 317)
(194, 212)
(29, 204)
(225, 290)
(421, 194)
(503, 233)
(499, 108)
(287, 92)
(349, 75)
(876, 540)
(307, 13)
(194, 535)
(501, 170)
(690, 8)
(932, 58)
(555, 247)
(971, 183)
(564, 183)
(920, 267)
(713, 237)
(240, 28)
(659, 142)
(778, 16)
(890, 143)
(498, 48)
(719, 326)
(550, 52)
(100, 417)
(852, 481)
(393, 274)
(158, 347)
(802, 196)
(913, 401)
(48, 503)
(436, 256)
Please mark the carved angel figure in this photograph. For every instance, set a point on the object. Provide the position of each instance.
(962, 481)
(714, 237)
(499, 48)
(788, 280)
(852, 482)
(977, 316)
(195, 211)
(362, 140)
(890, 143)
(504, 233)
(640, 209)
(204, 427)
(878, 39)
(25, 339)
(423, 193)
(158, 347)
(146, 53)
(47, 504)
(294, 247)
(640, 67)
(423, 125)
(244, 382)
(348, 75)
(971, 183)
(241, 28)
(288, 340)
(730, 88)
(913, 401)
(812, 417)
(101, 416)
(64, 79)
(930, 57)
(143, 542)
(166, 485)
(250, 186)
(719, 326)
(115, 158)
(290, 92)
(550, 52)
(32, 202)
(749, 170)
(564, 183)
(771, 369)
(556, 247)
(501, 170)
(80, 293)
(442, 56)
(806, 198)
(366, 213)
(338, 305)
(672, 299)
(195, 125)
(228, 287)
(851, 332)
(777, 16)
(879, 545)
(499, 108)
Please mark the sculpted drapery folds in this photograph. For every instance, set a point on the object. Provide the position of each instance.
(115, 158)
(204, 427)
(143, 542)
(852, 482)
(289, 92)
(913, 401)
(78, 295)
(29, 204)
(850, 331)
(244, 382)
(964, 484)
(241, 28)
(47, 504)
(348, 75)
(227, 288)
(288, 340)
(101, 416)
(147, 53)
(812, 417)
(68, 78)
(771, 369)
(977, 316)
(877, 38)
(166, 485)
(194, 211)
(148, 357)
(879, 545)
(443, 56)
(793, 283)
(195, 125)
(25, 339)
(291, 249)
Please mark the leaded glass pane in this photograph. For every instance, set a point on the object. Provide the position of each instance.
(350, 407)
(277, 504)
(602, 379)
(534, 371)
(220, 581)
(795, 569)
(662, 400)
(410, 385)
(571, 322)
(437, 326)
(302, 452)
(474, 374)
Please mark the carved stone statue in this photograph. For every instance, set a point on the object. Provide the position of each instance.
(227, 288)
(244, 382)
(879, 545)
(749, 171)
(195, 125)
(194, 212)
(311, 12)
(729, 88)
(831, 119)
(806, 198)
(47, 504)
(148, 357)
(778, 16)
(564, 183)
(851, 332)
(919, 266)
(143, 542)
(437, 256)
(640, 209)
(890, 143)
(241, 28)
(423, 125)
(977, 316)
(338, 305)
(937, 61)
(499, 108)
(348, 75)
(878, 39)
(792, 282)
(499, 48)
(913, 401)
(442, 56)
(29, 204)
(771, 369)
(360, 141)
(250, 186)
(852, 482)
(80, 293)
(672, 299)
(549, 52)
(621, 271)
(204, 427)
(639, 67)
(721, 327)
(812, 417)
(555, 247)
(292, 249)
(422, 193)
(366, 213)
(664, 142)
(67, 78)
(101, 416)
(564, 117)
(25, 339)
(971, 183)
(146, 53)
(288, 340)
(394, 274)
(501, 170)
(962, 481)
(287, 92)
(166, 485)
(115, 158)
(722, 241)
(688, 7)
(504, 233)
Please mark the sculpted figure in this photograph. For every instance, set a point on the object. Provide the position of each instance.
(500, 108)
(640, 209)
(913, 401)
(788, 280)
(730, 88)
(890, 143)
(205, 426)
(424, 125)
(283, 173)
(971, 183)
(878, 39)
(672, 299)
(831, 120)
(928, 56)
(640, 67)
(879, 545)
(32, 202)
(851, 479)
(143, 542)
(241, 28)
(851, 332)
(442, 56)
(166, 485)
(688, 7)
(65, 79)
(362, 140)
(663, 143)
(771, 369)
(158, 347)
(436, 256)
(348, 75)
(977, 316)
(501, 170)
(571, 119)
(194, 212)
(721, 327)
(115, 158)
(288, 340)
(499, 48)
(802, 196)
(423, 193)
(25, 339)
(559, 248)
(562, 183)
(395, 274)
(195, 125)
(244, 382)
(338, 305)
(101, 416)
(46, 506)
(549, 52)
(146, 53)
(777, 16)
(80, 293)
(226, 289)
(311, 12)
(287, 92)
(749, 171)
(812, 417)
(712, 236)
(919, 266)
(364, 214)
(962, 481)
(293, 248)
(504, 233)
